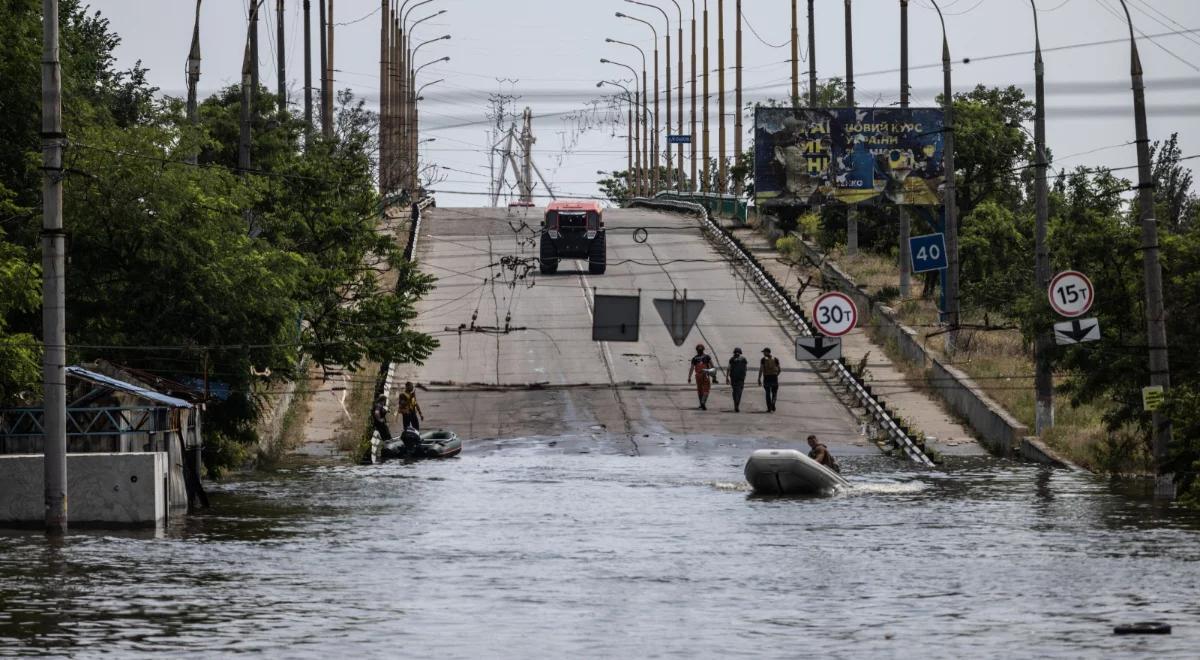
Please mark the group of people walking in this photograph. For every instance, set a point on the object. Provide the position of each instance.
(703, 370)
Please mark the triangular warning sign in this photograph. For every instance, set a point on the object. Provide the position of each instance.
(679, 315)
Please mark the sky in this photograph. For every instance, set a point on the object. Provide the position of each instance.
(546, 54)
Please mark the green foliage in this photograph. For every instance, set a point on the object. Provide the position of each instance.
(991, 146)
(996, 252)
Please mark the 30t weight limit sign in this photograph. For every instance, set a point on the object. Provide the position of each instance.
(835, 314)
(1071, 294)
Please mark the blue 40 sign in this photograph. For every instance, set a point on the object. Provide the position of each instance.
(928, 252)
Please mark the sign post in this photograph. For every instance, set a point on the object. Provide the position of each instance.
(835, 314)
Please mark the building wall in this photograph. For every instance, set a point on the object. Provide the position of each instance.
(112, 489)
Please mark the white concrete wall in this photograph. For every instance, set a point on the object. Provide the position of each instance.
(120, 489)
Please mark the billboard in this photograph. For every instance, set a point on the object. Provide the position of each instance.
(808, 157)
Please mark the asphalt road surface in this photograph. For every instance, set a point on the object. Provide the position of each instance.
(546, 382)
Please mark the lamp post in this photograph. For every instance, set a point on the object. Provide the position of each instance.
(851, 209)
(654, 146)
(628, 133)
(680, 178)
(641, 178)
(694, 140)
(667, 20)
(737, 97)
(644, 145)
(415, 116)
(1156, 329)
(951, 192)
(722, 176)
(705, 182)
(1043, 378)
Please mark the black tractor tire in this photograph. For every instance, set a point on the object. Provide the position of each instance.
(547, 258)
(597, 256)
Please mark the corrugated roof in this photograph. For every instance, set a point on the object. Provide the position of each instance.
(136, 390)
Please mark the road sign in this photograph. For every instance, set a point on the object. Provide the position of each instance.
(679, 315)
(928, 252)
(835, 314)
(1076, 331)
(616, 318)
(809, 349)
(1071, 293)
(679, 139)
(1153, 398)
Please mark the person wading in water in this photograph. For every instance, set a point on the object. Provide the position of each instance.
(701, 367)
(738, 366)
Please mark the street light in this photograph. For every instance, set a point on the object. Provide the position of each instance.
(644, 146)
(654, 140)
(679, 94)
(422, 87)
(951, 202)
(629, 180)
(418, 69)
(667, 20)
(422, 20)
(424, 43)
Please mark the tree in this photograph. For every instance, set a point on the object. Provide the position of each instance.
(991, 146)
(1174, 204)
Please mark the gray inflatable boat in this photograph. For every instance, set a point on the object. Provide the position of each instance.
(790, 472)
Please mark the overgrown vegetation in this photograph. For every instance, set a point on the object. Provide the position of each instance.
(193, 270)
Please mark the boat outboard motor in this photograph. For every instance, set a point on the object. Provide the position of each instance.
(412, 440)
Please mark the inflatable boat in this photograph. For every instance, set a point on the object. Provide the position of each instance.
(790, 472)
(432, 444)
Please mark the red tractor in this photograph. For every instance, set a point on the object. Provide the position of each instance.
(573, 230)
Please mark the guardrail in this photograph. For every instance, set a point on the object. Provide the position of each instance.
(861, 391)
(387, 371)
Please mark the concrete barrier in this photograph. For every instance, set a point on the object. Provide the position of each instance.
(102, 489)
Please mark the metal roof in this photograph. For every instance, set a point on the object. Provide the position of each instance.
(130, 388)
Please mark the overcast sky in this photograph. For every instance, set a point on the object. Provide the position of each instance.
(552, 48)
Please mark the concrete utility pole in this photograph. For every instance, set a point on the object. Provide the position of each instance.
(1043, 376)
(851, 209)
(308, 97)
(254, 78)
(795, 54)
(905, 221)
(329, 93)
(281, 58)
(722, 170)
(681, 177)
(326, 129)
(666, 19)
(385, 60)
(527, 142)
(952, 316)
(737, 97)
(193, 79)
(247, 101)
(706, 184)
(54, 322)
(695, 139)
(1156, 321)
(812, 55)
(654, 150)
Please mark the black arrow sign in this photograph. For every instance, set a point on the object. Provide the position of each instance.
(1078, 332)
(819, 349)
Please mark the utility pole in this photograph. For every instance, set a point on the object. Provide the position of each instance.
(795, 54)
(851, 209)
(629, 145)
(281, 58)
(737, 96)
(1156, 328)
(812, 55)
(247, 99)
(722, 174)
(654, 165)
(694, 136)
(322, 31)
(308, 97)
(706, 184)
(1043, 376)
(681, 177)
(527, 141)
(905, 221)
(254, 79)
(54, 322)
(635, 127)
(385, 57)
(952, 315)
(193, 79)
(670, 169)
(329, 93)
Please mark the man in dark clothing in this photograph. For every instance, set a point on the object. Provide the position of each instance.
(416, 211)
(379, 413)
(820, 453)
(768, 377)
(738, 366)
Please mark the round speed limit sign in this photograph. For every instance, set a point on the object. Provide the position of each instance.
(835, 314)
(1071, 293)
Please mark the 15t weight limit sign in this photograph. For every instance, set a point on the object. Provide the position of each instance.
(1071, 293)
(835, 314)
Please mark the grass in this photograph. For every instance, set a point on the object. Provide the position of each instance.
(356, 438)
(291, 428)
(1001, 364)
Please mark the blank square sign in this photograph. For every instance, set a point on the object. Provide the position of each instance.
(616, 318)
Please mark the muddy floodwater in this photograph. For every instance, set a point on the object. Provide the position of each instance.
(532, 551)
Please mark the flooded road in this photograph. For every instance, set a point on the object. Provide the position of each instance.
(536, 551)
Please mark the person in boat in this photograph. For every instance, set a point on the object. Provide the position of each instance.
(738, 365)
(820, 453)
(379, 413)
(410, 410)
(768, 377)
(702, 368)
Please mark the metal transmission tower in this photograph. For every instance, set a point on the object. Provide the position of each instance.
(524, 168)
